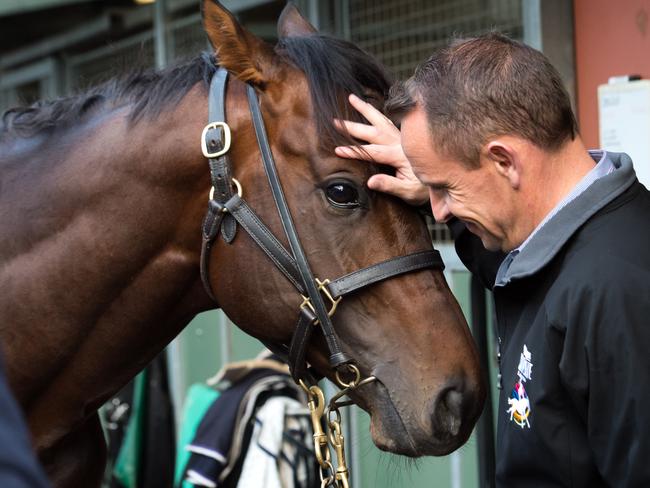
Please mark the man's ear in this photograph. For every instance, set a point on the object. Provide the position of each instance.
(246, 56)
(506, 159)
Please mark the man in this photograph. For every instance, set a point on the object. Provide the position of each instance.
(488, 134)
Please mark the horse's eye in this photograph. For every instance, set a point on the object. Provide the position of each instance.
(342, 195)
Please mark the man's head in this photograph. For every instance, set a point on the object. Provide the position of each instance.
(477, 117)
(479, 88)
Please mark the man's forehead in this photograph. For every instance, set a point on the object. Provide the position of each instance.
(428, 164)
(415, 119)
(415, 130)
(415, 136)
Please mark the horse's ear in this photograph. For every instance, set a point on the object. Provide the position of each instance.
(293, 24)
(240, 52)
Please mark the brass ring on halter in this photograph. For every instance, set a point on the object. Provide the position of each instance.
(333, 404)
(351, 384)
(237, 184)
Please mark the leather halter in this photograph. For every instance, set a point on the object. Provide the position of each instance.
(226, 208)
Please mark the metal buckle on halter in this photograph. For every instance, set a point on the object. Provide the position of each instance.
(226, 139)
(322, 287)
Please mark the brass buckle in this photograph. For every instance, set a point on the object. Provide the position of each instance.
(322, 287)
(226, 139)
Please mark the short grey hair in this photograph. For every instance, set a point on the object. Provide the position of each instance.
(475, 89)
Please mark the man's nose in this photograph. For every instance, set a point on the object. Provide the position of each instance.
(439, 208)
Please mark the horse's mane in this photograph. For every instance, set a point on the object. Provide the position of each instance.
(333, 68)
(148, 91)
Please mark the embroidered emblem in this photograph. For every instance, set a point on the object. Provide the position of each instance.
(525, 369)
(519, 405)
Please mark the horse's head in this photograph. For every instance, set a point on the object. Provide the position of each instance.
(407, 331)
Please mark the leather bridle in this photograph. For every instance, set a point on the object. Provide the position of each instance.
(226, 209)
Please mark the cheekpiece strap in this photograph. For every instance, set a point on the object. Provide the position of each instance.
(215, 144)
(337, 357)
(216, 138)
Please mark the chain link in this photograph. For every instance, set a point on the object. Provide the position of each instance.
(333, 439)
(336, 440)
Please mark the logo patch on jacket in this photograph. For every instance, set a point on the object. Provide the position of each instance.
(519, 405)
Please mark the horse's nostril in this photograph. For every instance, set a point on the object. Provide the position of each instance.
(448, 414)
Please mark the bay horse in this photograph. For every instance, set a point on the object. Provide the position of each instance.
(102, 199)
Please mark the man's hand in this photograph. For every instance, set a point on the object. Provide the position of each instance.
(384, 147)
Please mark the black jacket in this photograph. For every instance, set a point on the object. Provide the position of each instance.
(573, 315)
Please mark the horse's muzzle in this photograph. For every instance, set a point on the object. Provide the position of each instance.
(455, 411)
(400, 427)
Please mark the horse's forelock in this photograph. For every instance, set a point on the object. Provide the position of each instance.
(334, 68)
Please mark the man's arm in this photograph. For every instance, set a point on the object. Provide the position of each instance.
(605, 366)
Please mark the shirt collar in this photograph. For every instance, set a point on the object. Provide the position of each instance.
(603, 167)
(594, 191)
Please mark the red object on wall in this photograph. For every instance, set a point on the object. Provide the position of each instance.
(611, 39)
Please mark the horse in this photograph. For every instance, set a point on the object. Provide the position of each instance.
(102, 210)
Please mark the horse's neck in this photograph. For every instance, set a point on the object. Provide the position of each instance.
(101, 250)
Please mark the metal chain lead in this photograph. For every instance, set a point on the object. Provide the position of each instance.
(336, 440)
(333, 439)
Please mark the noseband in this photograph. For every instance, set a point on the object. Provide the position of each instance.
(226, 209)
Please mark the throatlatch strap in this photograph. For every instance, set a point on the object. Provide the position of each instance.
(386, 269)
(211, 226)
(299, 341)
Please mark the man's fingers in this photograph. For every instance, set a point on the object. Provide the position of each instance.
(411, 192)
(363, 132)
(380, 131)
(352, 152)
(386, 132)
(392, 155)
(377, 153)
(389, 184)
(374, 116)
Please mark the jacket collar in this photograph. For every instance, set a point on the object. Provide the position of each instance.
(550, 238)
